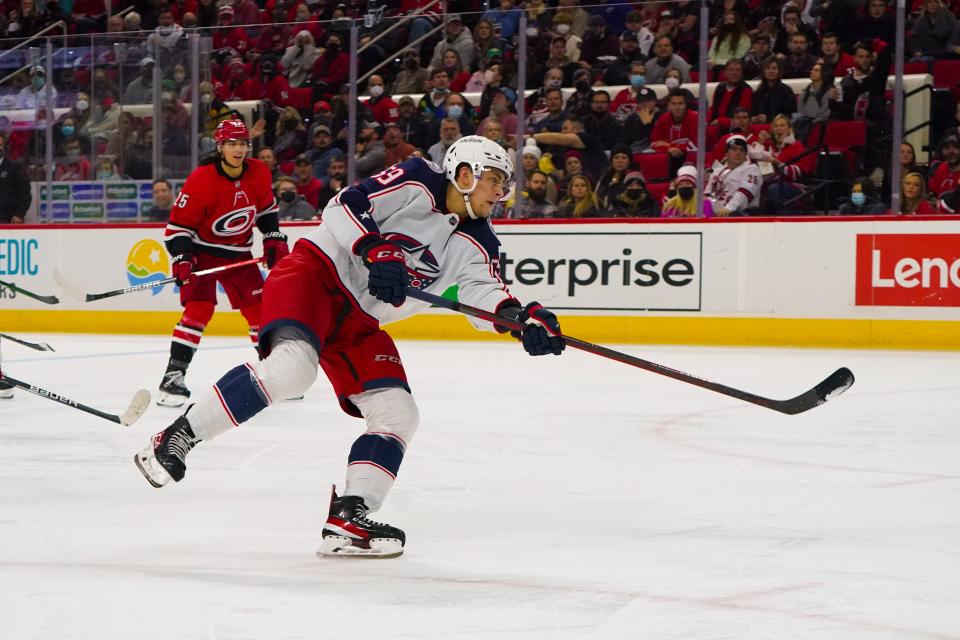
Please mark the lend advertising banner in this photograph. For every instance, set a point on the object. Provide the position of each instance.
(118, 201)
(903, 270)
(605, 271)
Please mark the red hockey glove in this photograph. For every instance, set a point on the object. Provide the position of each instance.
(275, 248)
(543, 335)
(183, 266)
(388, 271)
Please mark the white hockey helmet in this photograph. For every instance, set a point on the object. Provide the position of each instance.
(478, 153)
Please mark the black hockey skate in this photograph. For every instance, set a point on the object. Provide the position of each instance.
(173, 390)
(165, 458)
(349, 533)
(6, 390)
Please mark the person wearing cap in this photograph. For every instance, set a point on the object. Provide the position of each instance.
(371, 156)
(578, 17)
(414, 128)
(502, 104)
(458, 38)
(323, 152)
(600, 47)
(380, 103)
(229, 35)
(505, 18)
(299, 58)
(140, 89)
(634, 23)
(308, 185)
(638, 126)
(733, 186)
(945, 173)
(617, 72)
(681, 200)
(34, 95)
(758, 56)
(412, 78)
(665, 59)
(634, 201)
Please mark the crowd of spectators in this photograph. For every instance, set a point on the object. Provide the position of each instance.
(596, 139)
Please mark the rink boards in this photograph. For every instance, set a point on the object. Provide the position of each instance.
(865, 282)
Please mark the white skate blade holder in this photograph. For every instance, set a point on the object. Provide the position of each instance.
(151, 469)
(165, 399)
(342, 547)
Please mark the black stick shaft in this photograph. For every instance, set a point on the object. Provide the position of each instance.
(836, 383)
(42, 346)
(56, 397)
(159, 283)
(30, 294)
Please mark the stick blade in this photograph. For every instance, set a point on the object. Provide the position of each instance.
(138, 406)
(70, 287)
(831, 387)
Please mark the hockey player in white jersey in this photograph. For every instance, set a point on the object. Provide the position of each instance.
(413, 224)
(734, 184)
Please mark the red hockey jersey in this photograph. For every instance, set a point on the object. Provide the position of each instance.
(217, 213)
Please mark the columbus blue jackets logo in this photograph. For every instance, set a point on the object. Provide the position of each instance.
(422, 265)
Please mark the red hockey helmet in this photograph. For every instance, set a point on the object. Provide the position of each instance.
(231, 130)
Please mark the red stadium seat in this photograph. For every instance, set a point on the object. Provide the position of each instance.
(658, 190)
(713, 134)
(847, 137)
(653, 166)
(301, 99)
(946, 74)
(915, 68)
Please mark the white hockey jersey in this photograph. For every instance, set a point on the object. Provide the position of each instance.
(734, 189)
(406, 203)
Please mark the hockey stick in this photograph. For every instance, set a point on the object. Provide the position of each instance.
(835, 384)
(73, 290)
(30, 294)
(38, 346)
(139, 404)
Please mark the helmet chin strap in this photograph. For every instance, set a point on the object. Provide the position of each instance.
(466, 202)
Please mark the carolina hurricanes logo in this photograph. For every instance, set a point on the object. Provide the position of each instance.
(422, 265)
(234, 223)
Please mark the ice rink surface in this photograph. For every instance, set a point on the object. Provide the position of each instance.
(569, 497)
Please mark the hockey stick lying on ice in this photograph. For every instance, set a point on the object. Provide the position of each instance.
(835, 384)
(73, 290)
(30, 294)
(39, 346)
(139, 404)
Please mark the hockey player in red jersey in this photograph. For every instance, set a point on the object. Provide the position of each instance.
(414, 224)
(211, 225)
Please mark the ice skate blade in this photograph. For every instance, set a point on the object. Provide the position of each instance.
(170, 400)
(150, 468)
(342, 547)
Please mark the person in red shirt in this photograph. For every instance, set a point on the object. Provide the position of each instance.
(331, 69)
(307, 184)
(841, 61)
(229, 36)
(729, 95)
(384, 109)
(946, 173)
(211, 225)
(75, 166)
(739, 126)
(675, 132)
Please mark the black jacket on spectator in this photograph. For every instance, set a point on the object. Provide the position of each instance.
(606, 128)
(618, 71)
(15, 188)
(865, 98)
(774, 100)
(636, 133)
(415, 131)
(866, 27)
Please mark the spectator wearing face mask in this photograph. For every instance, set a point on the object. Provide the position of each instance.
(381, 104)
(293, 205)
(291, 136)
(238, 84)
(634, 201)
(331, 68)
(618, 71)
(681, 199)
(73, 166)
(299, 58)
(458, 38)
(432, 102)
(459, 109)
(863, 200)
(625, 102)
(412, 78)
